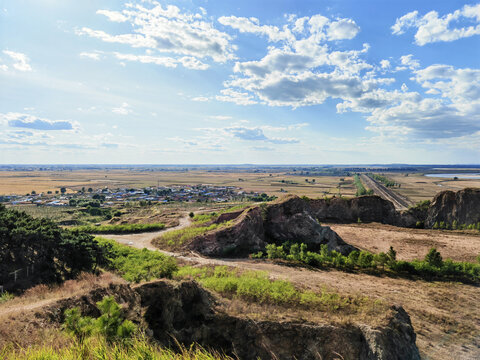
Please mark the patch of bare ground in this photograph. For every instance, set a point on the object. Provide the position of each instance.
(444, 315)
(19, 327)
(411, 243)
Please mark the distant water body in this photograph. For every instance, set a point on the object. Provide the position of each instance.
(451, 176)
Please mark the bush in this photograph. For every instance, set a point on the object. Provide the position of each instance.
(257, 287)
(111, 323)
(6, 296)
(119, 228)
(275, 252)
(434, 258)
(56, 253)
(135, 264)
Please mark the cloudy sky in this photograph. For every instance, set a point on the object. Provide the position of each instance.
(232, 82)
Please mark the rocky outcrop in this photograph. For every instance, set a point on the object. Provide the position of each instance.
(246, 236)
(292, 219)
(186, 313)
(462, 206)
(366, 208)
(289, 219)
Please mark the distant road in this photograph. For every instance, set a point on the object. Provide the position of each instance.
(400, 202)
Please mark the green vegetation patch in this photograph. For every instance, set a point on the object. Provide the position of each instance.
(37, 250)
(120, 228)
(137, 265)
(176, 238)
(360, 188)
(108, 337)
(255, 286)
(384, 180)
(433, 267)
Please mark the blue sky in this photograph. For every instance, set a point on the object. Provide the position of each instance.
(229, 82)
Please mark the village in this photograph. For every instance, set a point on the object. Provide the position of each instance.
(110, 197)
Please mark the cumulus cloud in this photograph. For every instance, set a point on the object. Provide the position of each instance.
(453, 113)
(432, 28)
(20, 61)
(27, 121)
(255, 133)
(188, 39)
(124, 109)
(302, 69)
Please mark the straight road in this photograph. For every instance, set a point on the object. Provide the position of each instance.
(400, 202)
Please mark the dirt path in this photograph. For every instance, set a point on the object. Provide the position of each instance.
(144, 240)
(400, 202)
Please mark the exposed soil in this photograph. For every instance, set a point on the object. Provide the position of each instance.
(411, 243)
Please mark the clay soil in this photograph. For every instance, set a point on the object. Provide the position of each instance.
(411, 243)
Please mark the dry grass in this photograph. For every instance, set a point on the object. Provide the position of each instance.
(22, 182)
(418, 187)
(41, 295)
(411, 244)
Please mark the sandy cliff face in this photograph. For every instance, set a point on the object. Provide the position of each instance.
(288, 219)
(448, 206)
(186, 312)
(366, 208)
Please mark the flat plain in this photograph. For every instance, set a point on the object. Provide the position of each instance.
(414, 186)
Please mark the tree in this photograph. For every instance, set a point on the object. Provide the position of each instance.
(392, 255)
(63, 190)
(90, 190)
(434, 258)
(56, 254)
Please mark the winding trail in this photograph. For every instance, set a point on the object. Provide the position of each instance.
(144, 240)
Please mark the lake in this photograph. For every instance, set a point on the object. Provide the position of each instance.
(451, 176)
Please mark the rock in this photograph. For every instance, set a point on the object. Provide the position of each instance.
(448, 206)
(291, 219)
(244, 237)
(366, 208)
(184, 312)
(288, 219)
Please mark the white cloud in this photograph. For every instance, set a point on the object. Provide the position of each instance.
(90, 55)
(113, 15)
(432, 28)
(342, 29)
(200, 98)
(385, 64)
(302, 70)
(247, 133)
(237, 97)
(186, 38)
(409, 61)
(19, 120)
(21, 61)
(251, 25)
(124, 109)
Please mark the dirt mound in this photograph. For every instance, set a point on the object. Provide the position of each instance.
(288, 219)
(364, 208)
(186, 312)
(448, 206)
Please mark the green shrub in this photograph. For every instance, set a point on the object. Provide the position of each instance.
(111, 323)
(275, 252)
(6, 296)
(137, 265)
(434, 258)
(255, 286)
(119, 228)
